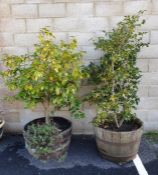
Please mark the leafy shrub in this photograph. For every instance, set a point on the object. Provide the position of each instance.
(42, 137)
(117, 76)
(51, 75)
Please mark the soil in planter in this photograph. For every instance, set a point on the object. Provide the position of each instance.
(59, 122)
(126, 126)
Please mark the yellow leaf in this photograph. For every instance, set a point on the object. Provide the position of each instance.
(112, 98)
(51, 78)
(57, 91)
(56, 70)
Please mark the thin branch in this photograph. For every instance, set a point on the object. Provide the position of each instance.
(116, 121)
(121, 122)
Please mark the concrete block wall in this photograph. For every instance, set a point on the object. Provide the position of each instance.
(20, 21)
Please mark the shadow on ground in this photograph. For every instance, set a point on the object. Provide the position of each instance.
(82, 159)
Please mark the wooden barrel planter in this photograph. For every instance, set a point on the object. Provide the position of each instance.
(118, 147)
(2, 122)
(62, 140)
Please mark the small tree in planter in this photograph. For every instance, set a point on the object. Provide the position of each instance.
(117, 78)
(50, 76)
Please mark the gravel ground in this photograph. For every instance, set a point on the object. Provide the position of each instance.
(82, 159)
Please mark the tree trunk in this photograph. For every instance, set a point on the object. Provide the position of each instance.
(47, 119)
(47, 111)
(113, 92)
